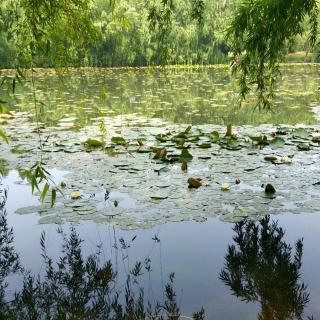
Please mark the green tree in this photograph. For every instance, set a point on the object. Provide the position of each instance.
(113, 33)
(259, 36)
(33, 28)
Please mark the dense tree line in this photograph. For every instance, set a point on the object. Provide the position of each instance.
(123, 35)
(126, 38)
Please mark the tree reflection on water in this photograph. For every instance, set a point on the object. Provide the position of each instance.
(76, 287)
(261, 267)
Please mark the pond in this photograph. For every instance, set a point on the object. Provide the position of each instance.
(191, 95)
(236, 250)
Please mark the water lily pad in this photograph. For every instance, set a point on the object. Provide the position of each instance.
(204, 145)
(301, 133)
(159, 196)
(200, 219)
(144, 150)
(263, 139)
(27, 210)
(193, 138)
(270, 188)
(186, 155)
(270, 158)
(118, 140)
(94, 142)
(230, 144)
(50, 220)
(277, 142)
(303, 147)
(241, 212)
(214, 136)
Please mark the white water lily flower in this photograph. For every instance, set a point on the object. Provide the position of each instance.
(225, 187)
(286, 160)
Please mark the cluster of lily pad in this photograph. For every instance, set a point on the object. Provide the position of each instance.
(137, 173)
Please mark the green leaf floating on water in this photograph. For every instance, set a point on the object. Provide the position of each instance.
(230, 144)
(277, 142)
(282, 130)
(178, 140)
(27, 210)
(186, 155)
(94, 142)
(118, 140)
(204, 145)
(303, 147)
(193, 138)
(144, 150)
(301, 134)
(50, 220)
(260, 139)
(270, 158)
(161, 137)
(214, 136)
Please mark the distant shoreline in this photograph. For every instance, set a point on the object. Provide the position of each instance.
(151, 68)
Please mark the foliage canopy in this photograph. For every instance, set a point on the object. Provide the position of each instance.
(259, 35)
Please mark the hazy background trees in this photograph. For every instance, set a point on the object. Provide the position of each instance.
(123, 36)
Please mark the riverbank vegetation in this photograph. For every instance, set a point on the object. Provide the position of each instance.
(120, 33)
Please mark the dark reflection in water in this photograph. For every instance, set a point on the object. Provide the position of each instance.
(262, 267)
(77, 287)
(9, 260)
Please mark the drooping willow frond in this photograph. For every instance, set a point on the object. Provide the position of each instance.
(258, 36)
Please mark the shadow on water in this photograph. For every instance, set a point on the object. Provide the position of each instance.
(261, 267)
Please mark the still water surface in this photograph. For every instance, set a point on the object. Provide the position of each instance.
(195, 96)
(196, 252)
